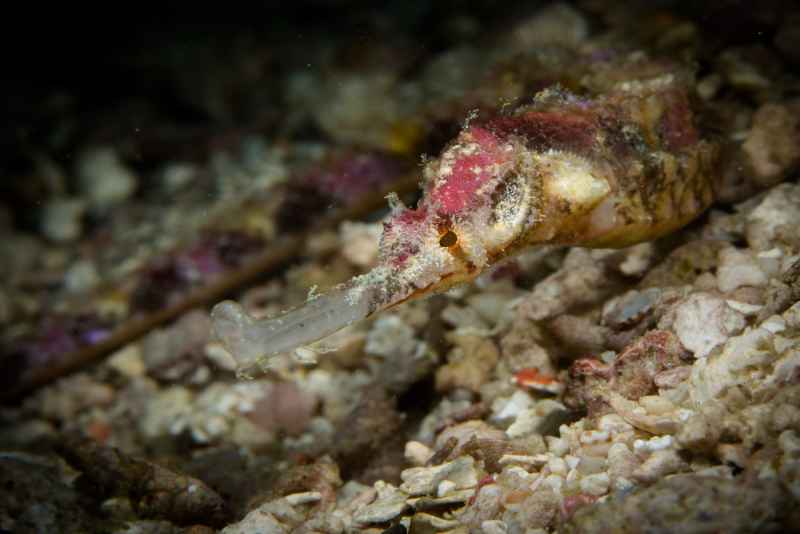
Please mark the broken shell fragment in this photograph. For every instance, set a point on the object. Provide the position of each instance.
(531, 378)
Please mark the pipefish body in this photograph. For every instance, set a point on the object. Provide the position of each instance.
(618, 164)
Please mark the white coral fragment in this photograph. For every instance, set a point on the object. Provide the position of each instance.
(425, 480)
(703, 321)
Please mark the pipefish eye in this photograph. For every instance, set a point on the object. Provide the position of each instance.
(448, 239)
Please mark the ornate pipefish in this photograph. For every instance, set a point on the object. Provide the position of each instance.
(619, 163)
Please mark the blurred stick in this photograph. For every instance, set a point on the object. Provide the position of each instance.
(279, 252)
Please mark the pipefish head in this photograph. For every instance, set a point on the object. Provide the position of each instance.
(476, 205)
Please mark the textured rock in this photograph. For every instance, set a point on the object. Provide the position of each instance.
(360, 243)
(775, 219)
(62, 218)
(582, 280)
(773, 143)
(104, 178)
(389, 503)
(425, 480)
(622, 463)
(703, 321)
(659, 464)
(690, 503)
(469, 365)
(738, 268)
